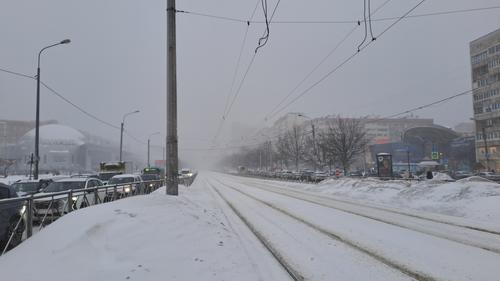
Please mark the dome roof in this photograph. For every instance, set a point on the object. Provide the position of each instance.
(57, 134)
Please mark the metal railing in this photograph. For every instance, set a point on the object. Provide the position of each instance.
(42, 209)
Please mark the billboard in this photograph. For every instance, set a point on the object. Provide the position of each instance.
(384, 165)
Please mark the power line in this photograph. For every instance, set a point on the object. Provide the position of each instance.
(62, 97)
(459, 11)
(233, 80)
(321, 62)
(247, 70)
(348, 59)
(430, 104)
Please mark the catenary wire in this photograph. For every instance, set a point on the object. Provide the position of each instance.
(321, 62)
(449, 12)
(348, 59)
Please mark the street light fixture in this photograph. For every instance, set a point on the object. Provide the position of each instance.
(37, 122)
(157, 133)
(121, 131)
(314, 138)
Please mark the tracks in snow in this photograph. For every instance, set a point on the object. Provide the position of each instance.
(282, 259)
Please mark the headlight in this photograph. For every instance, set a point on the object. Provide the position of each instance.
(23, 209)
(127, 189)
(74, 198)
(190, 174)
(150, 185)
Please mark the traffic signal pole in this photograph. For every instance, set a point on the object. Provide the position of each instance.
(172, 152)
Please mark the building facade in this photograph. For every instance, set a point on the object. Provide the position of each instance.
(485, 70)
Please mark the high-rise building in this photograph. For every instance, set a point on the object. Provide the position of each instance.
(485, 63)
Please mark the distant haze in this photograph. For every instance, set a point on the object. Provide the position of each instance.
(116, 63)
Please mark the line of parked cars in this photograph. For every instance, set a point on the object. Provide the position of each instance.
(305, 175)
(53, 206)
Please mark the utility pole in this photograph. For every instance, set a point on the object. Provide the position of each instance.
(172, 153)
(314, 146)
(121, 141)
(486, 154)
(149, 141)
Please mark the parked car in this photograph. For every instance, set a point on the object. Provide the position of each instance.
(127, 184)
(56, 206)
(10, 216)
(461, 175)
(319, 176)
(306, 175)
(148, 180)
(490, 176)
(28, 187)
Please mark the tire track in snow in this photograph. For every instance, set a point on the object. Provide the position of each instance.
(373, 254)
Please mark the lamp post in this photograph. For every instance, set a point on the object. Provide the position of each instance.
(486, 153)
(37, 122)
(314, 139)
(149, 141)
(121, 131)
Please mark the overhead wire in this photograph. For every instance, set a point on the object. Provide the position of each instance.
(320, 63)
(233, 80)
(345, 61)
(449, 12)
(248, 69)
(364, 22)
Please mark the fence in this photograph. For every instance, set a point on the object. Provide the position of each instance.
(43, 209)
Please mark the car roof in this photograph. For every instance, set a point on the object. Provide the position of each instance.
(26, 181)
(73, 179)
(125, 176)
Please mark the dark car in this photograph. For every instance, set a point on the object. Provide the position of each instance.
(28, 187)
(10, 217)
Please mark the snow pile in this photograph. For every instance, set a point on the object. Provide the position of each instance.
(13, 178)
(472, 198)
(151, 237)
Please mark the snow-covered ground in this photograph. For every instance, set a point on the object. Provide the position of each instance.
(13, 178)
(150, 237)
(200, 234)
(473, 198)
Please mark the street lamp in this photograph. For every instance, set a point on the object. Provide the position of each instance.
(157, 133)
(37, 122)
(121, 131)
(314, 138)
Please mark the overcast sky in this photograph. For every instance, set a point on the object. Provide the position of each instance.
(116, 62)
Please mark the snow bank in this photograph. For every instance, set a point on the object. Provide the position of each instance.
(151, 237)
(473, 198)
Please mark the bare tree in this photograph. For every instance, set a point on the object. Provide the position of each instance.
(292, 145)
(344, 140)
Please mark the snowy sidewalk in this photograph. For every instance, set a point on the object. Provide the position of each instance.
(152, 237)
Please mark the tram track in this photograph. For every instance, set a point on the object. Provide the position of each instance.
(485, 239)
(416, 275)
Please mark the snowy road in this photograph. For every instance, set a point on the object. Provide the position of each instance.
(320, 238)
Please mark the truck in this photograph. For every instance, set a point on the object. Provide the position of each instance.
(110, 169)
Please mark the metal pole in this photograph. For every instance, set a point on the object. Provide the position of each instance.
(408, 155)
(260, 159)
(486, 154)
(172, 153)
(37, 122)
(121, 141)
(148, 152)
(314, 146)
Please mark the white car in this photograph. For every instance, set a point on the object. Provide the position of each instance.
(56, 206)
(127, 184)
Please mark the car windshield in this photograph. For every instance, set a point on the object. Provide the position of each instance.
(64, 185)
(149, 177)
(121, 180)
(107, 176)
(25, 186)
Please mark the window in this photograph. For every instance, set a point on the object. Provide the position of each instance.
(4, 192)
